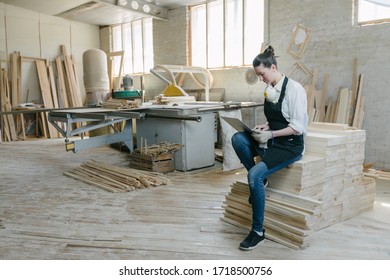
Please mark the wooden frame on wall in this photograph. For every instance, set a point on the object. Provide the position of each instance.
(298, 42)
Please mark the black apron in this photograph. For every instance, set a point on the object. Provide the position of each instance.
(280, 149)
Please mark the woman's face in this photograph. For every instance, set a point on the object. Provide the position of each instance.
(267, 75)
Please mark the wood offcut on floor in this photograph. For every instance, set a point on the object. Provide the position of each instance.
(46, 215)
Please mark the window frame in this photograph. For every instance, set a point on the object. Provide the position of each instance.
(244, 62)
(141, 24)
(368, 22)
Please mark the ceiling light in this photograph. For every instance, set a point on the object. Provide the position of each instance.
(146, 8)
(122, 2)
(134, 5)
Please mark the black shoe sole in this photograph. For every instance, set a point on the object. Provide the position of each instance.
(253, 247)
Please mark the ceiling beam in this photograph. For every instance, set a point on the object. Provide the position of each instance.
(141, 7)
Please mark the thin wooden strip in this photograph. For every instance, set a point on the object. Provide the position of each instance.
(125, 181)
(91, 182)
(14, 80)
(117, 183)
(98, 180)
(354, 90)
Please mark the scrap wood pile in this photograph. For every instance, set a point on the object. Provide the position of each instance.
(161, 99)
(115, 103)
(157, 158)
(114, 178)
(157, 149)
(330, 173)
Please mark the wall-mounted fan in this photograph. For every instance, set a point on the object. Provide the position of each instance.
(251, 77)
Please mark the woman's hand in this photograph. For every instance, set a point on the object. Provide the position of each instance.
(260, 127)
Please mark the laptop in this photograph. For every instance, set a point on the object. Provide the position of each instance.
(238, 125)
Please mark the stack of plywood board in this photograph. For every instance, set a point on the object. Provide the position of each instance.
(329, 178)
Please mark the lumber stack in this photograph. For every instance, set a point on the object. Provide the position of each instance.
(288, 218)
(59, 85)
(114, 178)
(325, 187)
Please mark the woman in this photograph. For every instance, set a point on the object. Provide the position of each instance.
(279, 142)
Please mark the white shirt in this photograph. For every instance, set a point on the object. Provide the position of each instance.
(294, 105)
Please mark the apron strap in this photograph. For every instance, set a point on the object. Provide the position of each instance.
(283, 92)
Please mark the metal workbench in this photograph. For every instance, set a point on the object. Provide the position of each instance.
(78, 121)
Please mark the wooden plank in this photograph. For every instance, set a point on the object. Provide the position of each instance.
(46, 96)
(329, 109)
(325, 85)
(62, 92)
(11, 122)
(314, 79)
(53, 86)
(329, 126)
(318, 99)
(2, 97)
(3, 118)
(43, 124)
(354, 90)
(77, 84)
(73, 91)
(361, 112)
(22, 127)
(44, 84)
(14, 80)
(7, 135)
(310, 91)
(355, 122)
(343, 109)
(19, 81)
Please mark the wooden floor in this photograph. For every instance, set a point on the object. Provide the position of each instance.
(46, 215)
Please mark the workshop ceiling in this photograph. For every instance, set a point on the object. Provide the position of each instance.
(102, 12)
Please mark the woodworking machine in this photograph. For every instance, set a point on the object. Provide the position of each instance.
(191, 124)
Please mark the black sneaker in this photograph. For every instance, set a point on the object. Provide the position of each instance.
(265, 185)
(252, 241)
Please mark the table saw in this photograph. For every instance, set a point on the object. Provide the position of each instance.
(191, 124)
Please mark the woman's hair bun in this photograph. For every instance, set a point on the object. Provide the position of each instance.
(269, 51)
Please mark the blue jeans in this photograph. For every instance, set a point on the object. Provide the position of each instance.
(246, 149)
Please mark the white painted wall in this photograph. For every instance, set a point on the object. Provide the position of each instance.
(40, 36)
(334, 44)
